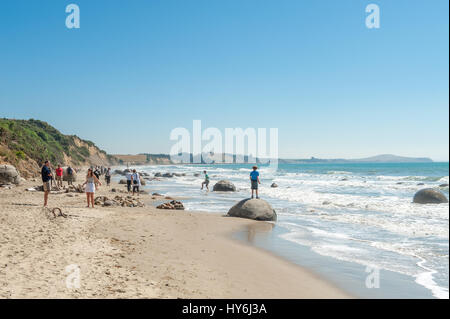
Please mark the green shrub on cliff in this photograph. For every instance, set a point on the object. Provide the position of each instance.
(39, 141)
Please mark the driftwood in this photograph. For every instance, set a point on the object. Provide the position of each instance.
(55, 212)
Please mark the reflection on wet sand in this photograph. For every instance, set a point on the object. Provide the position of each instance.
(258, 228)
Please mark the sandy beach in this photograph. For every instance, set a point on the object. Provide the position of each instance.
(124, 252)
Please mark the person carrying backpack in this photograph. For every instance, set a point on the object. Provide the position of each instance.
(136, 181)
(69, 172)
(108, 176)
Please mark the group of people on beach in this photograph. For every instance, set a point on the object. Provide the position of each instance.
(133, 181)
(91, 183)
(254, 181)
(48, 178)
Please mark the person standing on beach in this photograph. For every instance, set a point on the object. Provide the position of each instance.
(97, 172)
(254, 180)
(206, 181)
(91, 182)
(46, 173)
(69, 175)
(136, 180)
(108, 176)
(59, 177)
(128, 175)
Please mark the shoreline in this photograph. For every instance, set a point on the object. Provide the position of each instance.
(145, 252)
(349, 276)
(329, 224)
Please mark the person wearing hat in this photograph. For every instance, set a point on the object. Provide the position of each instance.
(254, 180)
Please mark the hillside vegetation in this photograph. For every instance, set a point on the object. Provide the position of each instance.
(26, 144)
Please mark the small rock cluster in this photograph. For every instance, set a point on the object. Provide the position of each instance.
(171, 205)
(127, 201)
(168, 174)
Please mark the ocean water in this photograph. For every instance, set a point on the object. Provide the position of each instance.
(357, 213)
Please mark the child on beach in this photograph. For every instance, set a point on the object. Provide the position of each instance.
(91, 182)
(206, 181)
(254, 180)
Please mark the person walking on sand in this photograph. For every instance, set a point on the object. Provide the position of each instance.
(136, 180)
(206, 181)
(128, 175)
(254, 180)
(59, 177)
(108, 176)
(46, 173)
(91, 182)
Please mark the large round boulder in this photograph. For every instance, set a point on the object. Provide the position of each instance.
(67, 177)
(429, 196)
(123, 181)
(9, 175)
(224, 186)
(256, 209)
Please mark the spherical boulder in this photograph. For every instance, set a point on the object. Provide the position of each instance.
(429, 196)
(69, 177)
(274, 185)
(9, 175)
(123, 181)
(119, 172)
(224, 186)
(257, 209)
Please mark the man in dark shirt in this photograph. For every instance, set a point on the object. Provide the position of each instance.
(97, 172)
(46, 178)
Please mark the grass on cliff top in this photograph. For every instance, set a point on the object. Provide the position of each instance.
(39, 141)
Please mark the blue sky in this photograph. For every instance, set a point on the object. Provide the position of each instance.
(137, 69)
